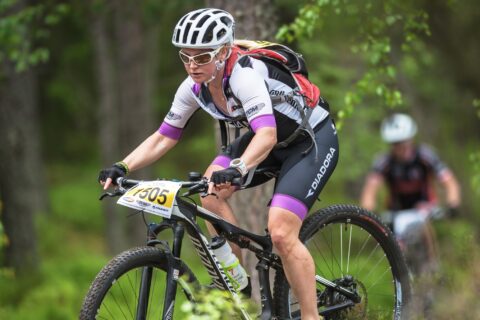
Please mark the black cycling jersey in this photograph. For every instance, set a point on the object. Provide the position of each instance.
(410, 183)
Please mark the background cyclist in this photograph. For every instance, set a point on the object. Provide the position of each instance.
(243, 98)
(409, 170)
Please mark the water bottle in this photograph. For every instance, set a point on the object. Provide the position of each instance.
(230, 263)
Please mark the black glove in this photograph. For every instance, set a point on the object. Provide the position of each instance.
(114, 172)
(452, 212)
(225, 175)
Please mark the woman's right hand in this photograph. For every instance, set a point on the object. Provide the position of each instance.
(109, 176)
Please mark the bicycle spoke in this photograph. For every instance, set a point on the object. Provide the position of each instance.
(124, 297)
(349, 248)
(341, 248)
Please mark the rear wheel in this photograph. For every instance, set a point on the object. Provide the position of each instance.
(115, 292)
(353, 249)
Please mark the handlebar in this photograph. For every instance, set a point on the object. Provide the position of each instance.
(124, 184)
(199, 185)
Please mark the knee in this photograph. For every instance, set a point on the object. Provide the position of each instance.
(282, 240)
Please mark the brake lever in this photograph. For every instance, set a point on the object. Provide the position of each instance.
(206, 194)
(117, 193)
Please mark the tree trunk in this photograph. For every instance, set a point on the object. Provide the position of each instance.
(108, 118)
(136, 114)
(254, 20)
(19, 166)
(125, 112)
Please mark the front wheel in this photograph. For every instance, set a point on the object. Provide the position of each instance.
(133, 286)
(352, 249)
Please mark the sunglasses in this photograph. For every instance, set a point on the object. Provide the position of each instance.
(199, 59)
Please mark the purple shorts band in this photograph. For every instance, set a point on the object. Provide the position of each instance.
(222, 161)
(267, 120)
(170, 131)
(289, 203)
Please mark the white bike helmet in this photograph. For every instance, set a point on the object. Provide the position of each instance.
(398, 127)
(204, 28)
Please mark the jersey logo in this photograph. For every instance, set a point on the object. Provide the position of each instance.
(254, 110)
(173, 116)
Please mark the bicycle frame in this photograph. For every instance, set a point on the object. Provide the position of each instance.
(183, 219)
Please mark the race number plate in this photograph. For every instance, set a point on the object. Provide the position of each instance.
(156, 197)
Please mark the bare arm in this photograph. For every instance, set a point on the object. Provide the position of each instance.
(149, 151)
(368, 199)
(260, 146)
(452, 189)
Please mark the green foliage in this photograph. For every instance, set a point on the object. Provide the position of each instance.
(459, 253)
(376, 26)
(68, 199)
(72, 251)
(216, 304)
(22, 29)
(475, 156)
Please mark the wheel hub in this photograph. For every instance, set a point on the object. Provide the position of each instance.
(331, 298)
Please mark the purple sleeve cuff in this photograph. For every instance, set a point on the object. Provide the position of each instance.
(170, 131)
(290, 203)
(267, 120)
(222, 161)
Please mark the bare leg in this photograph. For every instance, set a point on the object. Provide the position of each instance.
(284, 227)
(428, 238)
(221, 207)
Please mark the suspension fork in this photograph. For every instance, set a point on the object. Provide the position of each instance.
(174, 265)
(146, 277)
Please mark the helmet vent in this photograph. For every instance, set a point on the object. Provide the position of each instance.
(195, 15)
(194, 37)
(185, 33)
(182, 21)
(226, 21)
(202, 21)
(177, 35)
(209, 33)
(220, 34)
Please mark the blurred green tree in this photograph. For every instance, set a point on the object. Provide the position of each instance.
(22, 187)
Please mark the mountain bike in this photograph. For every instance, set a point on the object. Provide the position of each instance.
(414, 231)
(415, 234)
(360, 270)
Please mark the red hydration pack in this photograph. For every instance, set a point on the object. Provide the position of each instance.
(279, 55)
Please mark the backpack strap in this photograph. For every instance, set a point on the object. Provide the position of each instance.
(303, 127)
(235, 53)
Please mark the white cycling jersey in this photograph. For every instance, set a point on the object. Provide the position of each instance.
(249, 91)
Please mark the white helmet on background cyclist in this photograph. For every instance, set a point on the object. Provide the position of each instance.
(398, 127)
(204, 28)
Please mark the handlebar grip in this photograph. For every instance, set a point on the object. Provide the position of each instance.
(237, 182)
